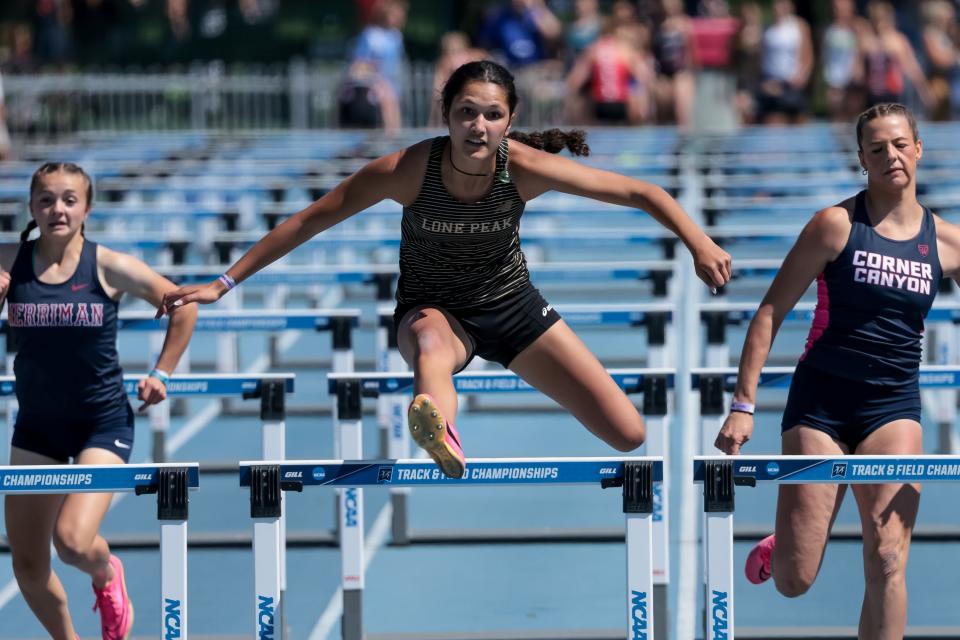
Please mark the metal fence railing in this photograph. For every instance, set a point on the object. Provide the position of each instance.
(299, 95)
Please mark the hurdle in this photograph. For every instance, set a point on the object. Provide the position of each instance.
(349, 389)
(340, 323)
(270, 389)
(719, 476)
(268, 480)
(171, 484)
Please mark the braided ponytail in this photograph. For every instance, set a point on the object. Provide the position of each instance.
(555, 140)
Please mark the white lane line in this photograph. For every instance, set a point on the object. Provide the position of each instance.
(191, 428)
(375, 539)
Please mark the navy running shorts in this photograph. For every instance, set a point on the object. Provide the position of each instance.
(501, 329)
(847, 410)
(62, 438)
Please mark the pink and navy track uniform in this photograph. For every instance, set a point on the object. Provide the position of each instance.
(861, 364)
(69, 381)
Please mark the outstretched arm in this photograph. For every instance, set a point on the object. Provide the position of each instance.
(122, 273)
(537, 172)
(387, 177)
(820, 242)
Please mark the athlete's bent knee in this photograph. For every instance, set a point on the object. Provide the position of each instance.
(72, 547)
(885, 563)
(627, 437)
(431, 343)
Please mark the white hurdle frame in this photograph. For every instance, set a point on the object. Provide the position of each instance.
(268, 478)
(720, 474)
(350, 388)
(171, 483)
(713, 386)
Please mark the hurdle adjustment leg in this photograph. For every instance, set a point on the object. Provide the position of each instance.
(172, 511)
(638, 508)
(265, 509)
(718, 506)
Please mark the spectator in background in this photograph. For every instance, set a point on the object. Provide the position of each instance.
(942, 57)
(521, 33)
(889, 59)
(21, 58)
(51, 22)
(584, 30)
(624, 14)
(378, 59)
(672, 50)
(455, 51)
(785, 65)
(618, 77)
(712, 36)
(746, 51)
(843, 70)
(179, 19)
(365, 100)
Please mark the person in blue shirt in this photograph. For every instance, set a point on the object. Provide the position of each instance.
(521, 32)
(877, 259)
(380, 47)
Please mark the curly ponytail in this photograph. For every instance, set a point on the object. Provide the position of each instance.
(555, 140)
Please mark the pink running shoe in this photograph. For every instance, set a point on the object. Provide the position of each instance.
(436, 435)
(758, 563)
(116, 610)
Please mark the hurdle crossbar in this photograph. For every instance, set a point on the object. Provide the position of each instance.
(719, 476)
(267, 480)
(170, 482)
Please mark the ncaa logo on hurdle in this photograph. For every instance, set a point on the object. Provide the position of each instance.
(839, 470)
(319, 474)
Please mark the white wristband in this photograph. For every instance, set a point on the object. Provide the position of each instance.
(743, 407)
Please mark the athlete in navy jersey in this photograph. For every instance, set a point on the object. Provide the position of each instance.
(464, 286)
(62, 293)
(877, 258)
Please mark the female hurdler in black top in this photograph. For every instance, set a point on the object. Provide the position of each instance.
(464, 287)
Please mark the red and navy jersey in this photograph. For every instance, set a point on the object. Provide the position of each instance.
(66, 339)
(872, 301)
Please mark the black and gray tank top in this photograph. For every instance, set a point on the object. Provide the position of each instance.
(461, 254)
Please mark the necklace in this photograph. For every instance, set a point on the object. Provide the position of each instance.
(466, 173)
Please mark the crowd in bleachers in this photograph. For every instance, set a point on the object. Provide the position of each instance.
(635, 62)
(596, 61)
